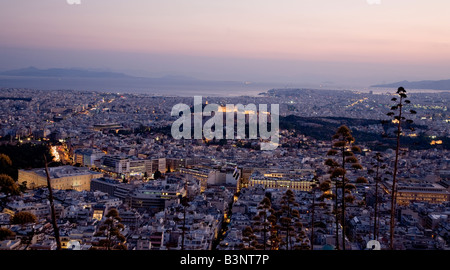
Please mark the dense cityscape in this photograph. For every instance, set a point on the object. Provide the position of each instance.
(119, 180)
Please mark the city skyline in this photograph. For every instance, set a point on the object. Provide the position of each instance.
(347, 43)
(116, 152)
(144, 125)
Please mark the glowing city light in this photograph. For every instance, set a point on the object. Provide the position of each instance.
(55, 154)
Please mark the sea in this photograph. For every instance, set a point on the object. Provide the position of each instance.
(185, 87)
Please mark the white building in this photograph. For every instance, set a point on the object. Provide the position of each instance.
(87, 156)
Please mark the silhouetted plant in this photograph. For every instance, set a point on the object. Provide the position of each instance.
(248, 237)
(378, 168)
(8, 186)
(274, 229)
(261, 223)
(157, 174)
(290, 224)
(314, 188)
(343, 150)
(185, 203)
(52, 206)
(112, 229)
(6, 233)
(24, 218)
(328, 194)
(397, 114)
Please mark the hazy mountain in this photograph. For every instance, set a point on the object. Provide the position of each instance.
(84, 79)
(427, 84)
(62, 72)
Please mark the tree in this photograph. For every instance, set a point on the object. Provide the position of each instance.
(157, 174)
(5, 163)
(377, 168)
(289, 217)
(112, 229)
(8, 186)
(343, 149)
(185, 203)
(261, 223)
(397, 114)
(6, 234)
(24, 218)
(248, 237)
(6, 166)
(327, 194)
(24, 156)
(274, 228)
(315, 186)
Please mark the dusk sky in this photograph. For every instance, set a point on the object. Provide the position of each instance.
(345, 42)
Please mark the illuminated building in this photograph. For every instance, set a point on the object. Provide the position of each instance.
(151, 195)
(419, 192)
(106, 185)
(99, 211)
(295, 180)
(156, 195)
(202, 175)
(151, 198)
(87, 156)
(101, 127)
(127, 166)
(175, 163)
(63, 177)
(158, 164)
(40, 210)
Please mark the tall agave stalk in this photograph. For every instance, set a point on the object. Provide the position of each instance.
(398, 119)
(52, 207)
(343, 149)
(377, 167)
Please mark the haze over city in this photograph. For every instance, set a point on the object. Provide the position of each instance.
(354, 43)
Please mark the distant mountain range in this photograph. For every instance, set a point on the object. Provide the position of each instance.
(62, 72)
(85, 79)
(427, 84)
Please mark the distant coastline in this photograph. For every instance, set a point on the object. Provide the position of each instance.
(426, 85)
(105, 81)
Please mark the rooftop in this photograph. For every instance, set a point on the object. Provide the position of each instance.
(63, 171)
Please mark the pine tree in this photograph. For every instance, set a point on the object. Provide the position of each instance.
(112, 229)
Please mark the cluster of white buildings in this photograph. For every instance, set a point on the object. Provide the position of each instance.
(115, 144)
